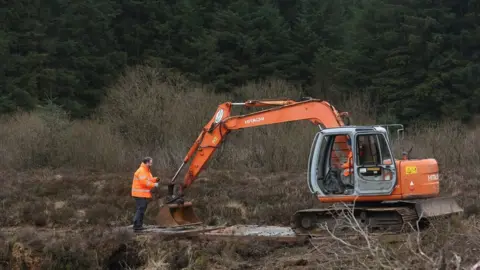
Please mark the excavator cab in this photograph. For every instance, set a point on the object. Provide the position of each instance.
(363, 166)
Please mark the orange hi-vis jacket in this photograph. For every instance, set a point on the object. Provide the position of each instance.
(143, 182)
(348, 166)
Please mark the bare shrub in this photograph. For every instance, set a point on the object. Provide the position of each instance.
(155, 116)
(437, 248)
(154, 112)
(90, 144)
(361, 109)
(47, 138)
(157, 113)
(4, 251)
(26, 141)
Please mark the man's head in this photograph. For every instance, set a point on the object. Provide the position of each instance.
(147, 161)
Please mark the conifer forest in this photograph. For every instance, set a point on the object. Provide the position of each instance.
(415, 59)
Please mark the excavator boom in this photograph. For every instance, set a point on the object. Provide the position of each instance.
(316, 111)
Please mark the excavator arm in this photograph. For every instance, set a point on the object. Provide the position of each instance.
(318, 112)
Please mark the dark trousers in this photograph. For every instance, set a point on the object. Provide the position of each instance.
(141, 207)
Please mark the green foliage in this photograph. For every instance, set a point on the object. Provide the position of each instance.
(417, 59)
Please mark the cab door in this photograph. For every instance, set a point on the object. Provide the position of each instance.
(374, 166)
(328, 152)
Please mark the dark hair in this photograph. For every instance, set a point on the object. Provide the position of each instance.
(146, 159)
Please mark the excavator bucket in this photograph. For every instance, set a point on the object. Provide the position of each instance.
(175, 214)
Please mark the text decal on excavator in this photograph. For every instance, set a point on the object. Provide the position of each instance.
(254, 120)
(433, 177)
(411, 170)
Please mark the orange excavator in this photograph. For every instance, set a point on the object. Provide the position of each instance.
(350, 165)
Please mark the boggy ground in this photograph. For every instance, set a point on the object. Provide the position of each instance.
(76, 199)
(65, 219)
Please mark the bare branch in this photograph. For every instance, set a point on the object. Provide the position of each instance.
(476, 266)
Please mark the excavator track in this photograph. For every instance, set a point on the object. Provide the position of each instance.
(349, 219)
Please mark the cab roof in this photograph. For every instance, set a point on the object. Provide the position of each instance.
(354, 129)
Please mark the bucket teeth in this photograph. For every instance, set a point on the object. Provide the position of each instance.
(174, 215)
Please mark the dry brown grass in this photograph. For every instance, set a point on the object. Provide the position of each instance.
(58, 173)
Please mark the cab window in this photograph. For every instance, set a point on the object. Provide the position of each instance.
(372, 149)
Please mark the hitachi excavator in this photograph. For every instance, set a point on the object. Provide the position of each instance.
(350, 165)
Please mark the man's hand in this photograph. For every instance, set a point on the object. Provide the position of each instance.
(156, 185)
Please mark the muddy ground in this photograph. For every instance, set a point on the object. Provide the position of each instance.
(64, 220)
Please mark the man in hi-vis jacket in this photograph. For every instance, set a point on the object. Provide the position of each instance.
(142, 184)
